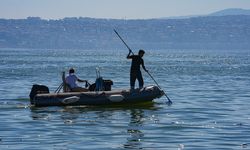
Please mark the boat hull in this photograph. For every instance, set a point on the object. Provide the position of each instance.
(97, 97)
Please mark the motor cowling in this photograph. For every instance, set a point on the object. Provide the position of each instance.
(37, 89)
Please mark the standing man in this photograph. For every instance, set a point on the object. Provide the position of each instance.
(135, 71)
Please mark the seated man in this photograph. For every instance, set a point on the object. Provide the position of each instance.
(71, 81)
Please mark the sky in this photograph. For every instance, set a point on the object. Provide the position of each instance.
(115, 9)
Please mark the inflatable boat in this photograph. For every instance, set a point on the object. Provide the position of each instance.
(145, 94)
(100, 93)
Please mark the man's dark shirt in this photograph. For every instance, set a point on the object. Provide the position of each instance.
(136, 62)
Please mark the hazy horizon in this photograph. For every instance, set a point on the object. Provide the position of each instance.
(114, 9)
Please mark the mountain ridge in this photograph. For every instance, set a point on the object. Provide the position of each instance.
(208, 32)
(224, 12)
(231, 11)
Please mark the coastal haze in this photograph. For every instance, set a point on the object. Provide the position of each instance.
(114, 9)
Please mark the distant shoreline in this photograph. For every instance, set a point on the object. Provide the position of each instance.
(210, 32)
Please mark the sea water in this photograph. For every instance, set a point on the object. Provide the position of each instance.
(210, 91)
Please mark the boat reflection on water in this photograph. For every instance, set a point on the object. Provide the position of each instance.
(88, 123)
(68, 111)
(134, 126)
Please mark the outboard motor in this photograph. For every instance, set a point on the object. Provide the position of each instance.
(37, 89)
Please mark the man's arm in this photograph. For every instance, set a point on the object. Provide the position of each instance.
(142, 64)
(129, 56)
(80, 80)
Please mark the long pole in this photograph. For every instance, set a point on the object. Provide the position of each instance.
(169, 101)
(123, 41)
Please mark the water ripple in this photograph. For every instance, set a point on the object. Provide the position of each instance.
(209, 90)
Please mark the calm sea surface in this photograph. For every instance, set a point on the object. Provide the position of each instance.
(210, 91)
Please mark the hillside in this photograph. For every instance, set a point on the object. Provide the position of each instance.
(231, 11)
(211, 32)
